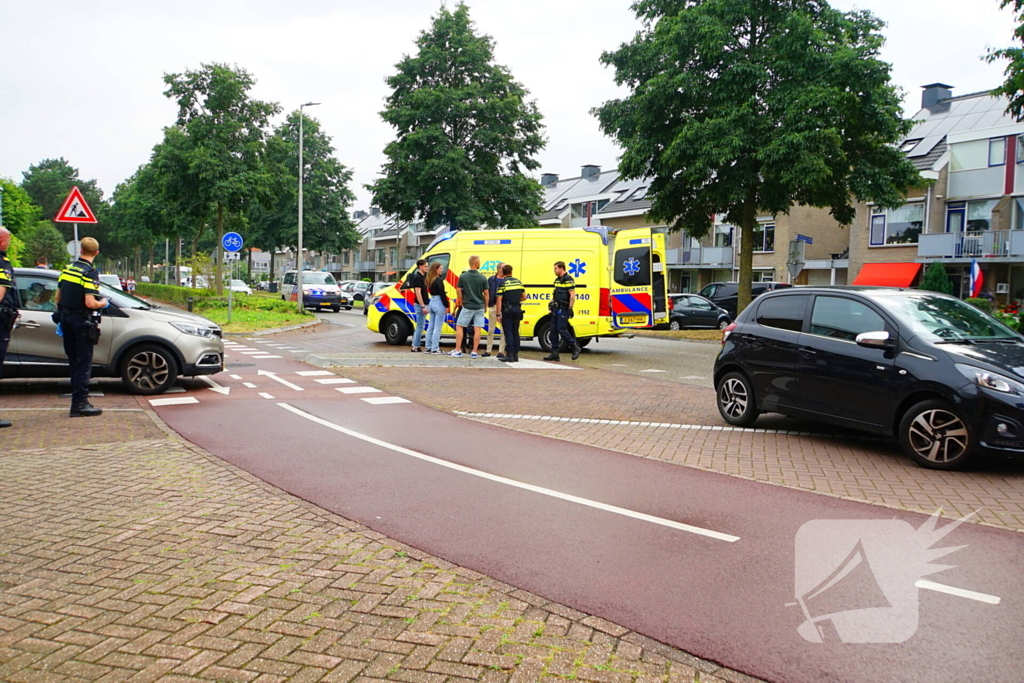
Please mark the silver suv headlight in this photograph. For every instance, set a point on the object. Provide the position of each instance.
(193, 329)
(991, 380)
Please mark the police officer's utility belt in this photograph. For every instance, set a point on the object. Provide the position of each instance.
(8, 316)
(90, 324)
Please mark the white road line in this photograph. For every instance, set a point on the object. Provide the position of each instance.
(384, 400)
(314, 373)
(335, 380)
(266, 395)
(235, 376)
(358, 390)
(250, 385)
(251, 353)
(517, 484)
(652, 370)
(173, 401)
(959, 592)
(669, 425)
(263, 357)
(273, 376)
(215, 387)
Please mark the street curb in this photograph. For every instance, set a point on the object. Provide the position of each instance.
(275, 330)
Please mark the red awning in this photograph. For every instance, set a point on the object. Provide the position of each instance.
(391, 272)
(888, 274)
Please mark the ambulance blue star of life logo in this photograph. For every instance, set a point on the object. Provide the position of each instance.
(578, 268)
(631, 266)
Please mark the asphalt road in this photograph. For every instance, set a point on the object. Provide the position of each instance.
(702, 561)
(687, 362)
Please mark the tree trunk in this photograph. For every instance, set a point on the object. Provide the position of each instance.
(747, 251)
(152, 257)
(177, 262)
(195, 250)
(219, 268)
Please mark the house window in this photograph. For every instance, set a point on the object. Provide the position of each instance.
(723, 235)
(897, 226)
(579, 210)
(1020, 148)
(380, 257)
(970, 216)
(345, 257)
(394, 256)
(1018, 213)
(763, 276)
(764, 238)
(997, 152)
(969, 155)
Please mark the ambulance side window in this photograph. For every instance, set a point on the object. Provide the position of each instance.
(633, 267)
(443, 258)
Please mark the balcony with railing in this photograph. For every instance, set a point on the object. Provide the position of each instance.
(1005, 244)
(700, 257)
(366, 265)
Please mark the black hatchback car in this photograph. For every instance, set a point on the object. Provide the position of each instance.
(726, 294)
(693, 310)
(944, 378)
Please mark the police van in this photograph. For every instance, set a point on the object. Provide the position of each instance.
(620, 279)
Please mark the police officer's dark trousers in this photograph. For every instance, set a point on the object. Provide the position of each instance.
(560, 331)
(78, 349)
(510, 319)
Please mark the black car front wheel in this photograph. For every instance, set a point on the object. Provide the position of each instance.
(934, 435)
(735, 399)
(675, 326)
(723, 323)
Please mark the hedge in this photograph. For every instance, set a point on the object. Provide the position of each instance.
(207, 299)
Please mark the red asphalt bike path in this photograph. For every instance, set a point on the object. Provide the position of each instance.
(723, 601)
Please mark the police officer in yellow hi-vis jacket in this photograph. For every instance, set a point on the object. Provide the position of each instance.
(79, 303)
(8, 302)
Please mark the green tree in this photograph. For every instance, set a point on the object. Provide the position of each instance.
(1013, 86)
(15, 250)
(936, 280)
(224, 150)
(466, 134)
(743, 107)
(48, 184)
(43, 241)
(18, 212)
(326, 225)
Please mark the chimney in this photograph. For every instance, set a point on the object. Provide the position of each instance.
(590, 172)
(934, 96)
(374, 211)
(549, 179)
(359, 215)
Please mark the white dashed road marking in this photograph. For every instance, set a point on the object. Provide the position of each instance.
(273, 376)
(358, 390)
(314, 373)
(517, 484)
(250, 385)
(335, 380)
(384, 400)
(266, 395)
(235, 376)
(263, 356)
(173, 401)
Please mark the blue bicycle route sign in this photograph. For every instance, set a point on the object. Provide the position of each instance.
(232, 242)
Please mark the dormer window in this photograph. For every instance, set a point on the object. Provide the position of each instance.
(909, 145)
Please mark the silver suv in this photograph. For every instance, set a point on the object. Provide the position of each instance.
(147, 346)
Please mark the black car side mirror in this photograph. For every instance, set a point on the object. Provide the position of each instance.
(875, 340)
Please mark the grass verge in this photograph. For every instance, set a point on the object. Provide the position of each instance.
(246, 320)
(692, 335)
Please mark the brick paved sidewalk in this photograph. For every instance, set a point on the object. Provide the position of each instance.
(151, 560)
(809, 456)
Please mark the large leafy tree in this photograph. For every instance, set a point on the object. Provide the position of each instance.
(466, 134)
(43, 241)
(739, 107)
(224, 146)
(326, 225)
(48, 184)
(18, 211)
(1013, 86)
(137, 215)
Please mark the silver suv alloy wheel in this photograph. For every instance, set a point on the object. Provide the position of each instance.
(938, 436)
(733, 398)
(147, 370)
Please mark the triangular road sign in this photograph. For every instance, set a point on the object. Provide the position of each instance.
(75, 210)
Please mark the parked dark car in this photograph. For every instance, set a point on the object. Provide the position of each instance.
(726, 294)
(944, 378)
(693, 310)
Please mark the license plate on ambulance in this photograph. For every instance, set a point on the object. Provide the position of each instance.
(632, 319)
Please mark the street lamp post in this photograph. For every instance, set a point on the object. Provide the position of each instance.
(299, 261)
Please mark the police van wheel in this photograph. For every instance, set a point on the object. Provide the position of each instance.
(396, 330)
(148, 369)
(584, 342)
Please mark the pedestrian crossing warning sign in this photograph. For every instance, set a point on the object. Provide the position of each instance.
(75, 210)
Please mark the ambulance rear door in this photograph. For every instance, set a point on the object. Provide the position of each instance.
(632, 281)
(659, 268)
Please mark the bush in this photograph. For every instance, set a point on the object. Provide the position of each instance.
(983, 304)
(936, 280)
(1011, 321)
(207, 300)
(171, 293)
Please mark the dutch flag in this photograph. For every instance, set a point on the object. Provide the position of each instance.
(977, 279)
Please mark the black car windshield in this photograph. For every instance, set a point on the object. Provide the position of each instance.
(939, 318)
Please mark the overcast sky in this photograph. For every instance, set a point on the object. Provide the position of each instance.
(82, 80)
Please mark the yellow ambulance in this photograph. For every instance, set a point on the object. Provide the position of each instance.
(620, 279)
